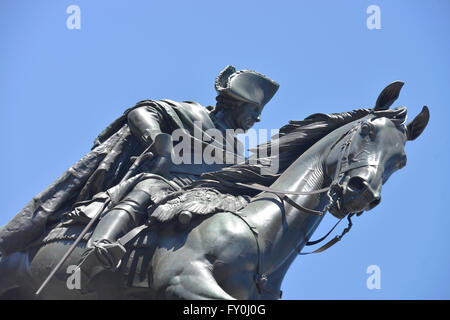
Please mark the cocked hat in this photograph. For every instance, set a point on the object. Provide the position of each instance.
(246, 85)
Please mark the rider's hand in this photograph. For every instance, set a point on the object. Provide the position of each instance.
(162, 165)
(162, 147)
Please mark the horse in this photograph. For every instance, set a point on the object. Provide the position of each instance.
(242, 254)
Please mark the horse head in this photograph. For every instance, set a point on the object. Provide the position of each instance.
(369, 151)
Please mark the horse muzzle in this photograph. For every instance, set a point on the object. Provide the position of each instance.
(359, 196)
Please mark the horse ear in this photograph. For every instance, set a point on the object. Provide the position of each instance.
(416, 127)
(388, 95)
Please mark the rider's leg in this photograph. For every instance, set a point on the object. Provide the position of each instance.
(129, 213)
(103, 249)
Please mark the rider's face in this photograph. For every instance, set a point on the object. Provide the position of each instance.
(246, 115)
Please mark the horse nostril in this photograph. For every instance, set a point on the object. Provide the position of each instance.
(356, 184)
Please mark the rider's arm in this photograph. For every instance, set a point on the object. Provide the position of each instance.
(145, 123)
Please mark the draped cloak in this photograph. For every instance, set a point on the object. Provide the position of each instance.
(103, 168)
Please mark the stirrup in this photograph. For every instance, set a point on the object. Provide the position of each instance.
(104, 255)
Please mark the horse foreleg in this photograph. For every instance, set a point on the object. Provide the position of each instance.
(196, 282)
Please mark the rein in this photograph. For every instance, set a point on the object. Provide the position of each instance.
(342, 167)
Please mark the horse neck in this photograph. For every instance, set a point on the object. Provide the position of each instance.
(282, 228)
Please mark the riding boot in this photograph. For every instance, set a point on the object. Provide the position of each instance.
(103, 251)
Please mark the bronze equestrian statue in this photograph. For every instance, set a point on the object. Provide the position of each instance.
(240, 242)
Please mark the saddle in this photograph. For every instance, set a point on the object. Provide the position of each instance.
(198, 201)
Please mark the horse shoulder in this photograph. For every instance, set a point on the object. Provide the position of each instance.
(230, 241)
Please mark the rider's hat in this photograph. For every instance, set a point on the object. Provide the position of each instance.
(245, 85)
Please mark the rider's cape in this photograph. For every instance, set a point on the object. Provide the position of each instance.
(102, 168)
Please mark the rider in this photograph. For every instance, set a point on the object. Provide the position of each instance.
(241, 98)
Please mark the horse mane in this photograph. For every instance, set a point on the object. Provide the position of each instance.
(291, 142)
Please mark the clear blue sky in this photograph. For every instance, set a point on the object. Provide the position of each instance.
(59, 88)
